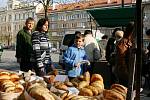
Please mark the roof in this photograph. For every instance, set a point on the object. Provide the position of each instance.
(86, 5)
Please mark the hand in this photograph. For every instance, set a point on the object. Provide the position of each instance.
(42, 71)
(18, 60)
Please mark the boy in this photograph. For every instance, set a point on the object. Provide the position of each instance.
(73, 56)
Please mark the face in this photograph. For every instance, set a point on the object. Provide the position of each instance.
(45, 27)
(30, 25)
(79, 43)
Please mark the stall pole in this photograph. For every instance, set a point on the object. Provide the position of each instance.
(139, 35)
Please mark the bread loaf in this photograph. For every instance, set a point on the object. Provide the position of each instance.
(85, 92)
(4, 77)
(87, 76)
(93, 89)
(96, 77)
(119, 88)
(14, 77)
(98, 84)
(112, 95)
(40, 93)
(83, 84)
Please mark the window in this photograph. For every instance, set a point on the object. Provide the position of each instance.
(77, 15)
(5, 19)
(24, 16)
(15, 17)
(53, 26)
(15, 27)
(9, 18)
(20, 27)
(32, 14)
(19, 16)
(9, 28)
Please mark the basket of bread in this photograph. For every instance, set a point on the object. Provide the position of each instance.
(10, 87)
(36, 88)
(90, 87)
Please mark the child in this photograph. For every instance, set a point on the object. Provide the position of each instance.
(73, 56)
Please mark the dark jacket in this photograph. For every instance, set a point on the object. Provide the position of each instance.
(23, 44)
(110, 47)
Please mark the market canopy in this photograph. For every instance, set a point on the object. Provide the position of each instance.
(113, 17)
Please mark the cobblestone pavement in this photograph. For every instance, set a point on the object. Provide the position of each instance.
(9, 62)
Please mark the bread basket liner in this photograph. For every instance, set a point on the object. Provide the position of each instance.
(9, 96)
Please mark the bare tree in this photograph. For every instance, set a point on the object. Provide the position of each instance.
(46, 4)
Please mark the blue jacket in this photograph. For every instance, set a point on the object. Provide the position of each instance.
(72, 56)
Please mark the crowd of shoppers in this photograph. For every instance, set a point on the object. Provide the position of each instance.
(32, 51)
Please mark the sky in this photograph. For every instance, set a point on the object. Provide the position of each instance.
(3, 3)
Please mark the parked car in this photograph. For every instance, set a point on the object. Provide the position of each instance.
(67, 38)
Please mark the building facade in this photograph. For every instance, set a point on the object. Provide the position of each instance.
(68, 19)
(12, 19)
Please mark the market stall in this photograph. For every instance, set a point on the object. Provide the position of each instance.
(28, 86)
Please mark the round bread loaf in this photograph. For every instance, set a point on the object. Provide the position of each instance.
(7, 82)
(40, 93)
(119, 88)
(83, 84)
(99, 89)
(14, 77)
(4, 73)
(10, 89)
(86, 92)
(19, 87)
(112, 95)
(93, 89)
(96, 77)
(98, 84)
(4, 77)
